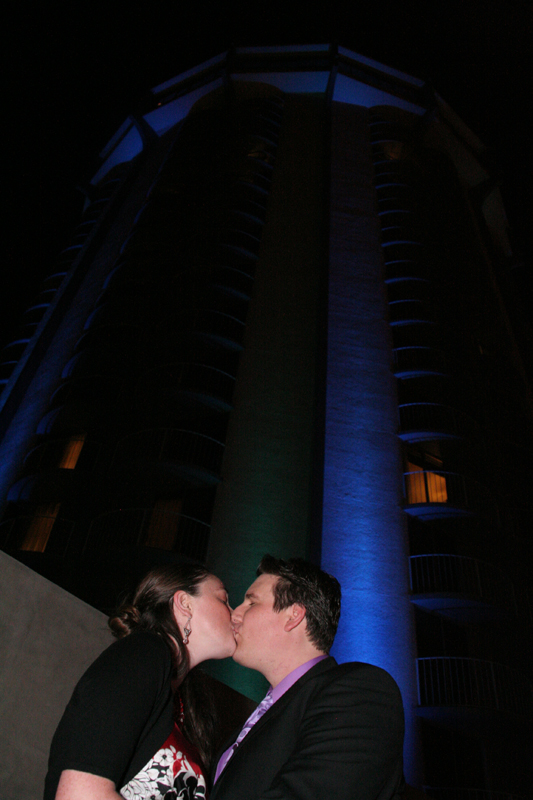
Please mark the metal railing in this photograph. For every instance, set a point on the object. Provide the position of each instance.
(471, 682)
(54, 454)
(434, 417)
(222, 326)
(457, 793)
(192, 377)
(444, 488)
(147, 527)
(56, 534)
(419, 360)
(176, 445)
(439, 572)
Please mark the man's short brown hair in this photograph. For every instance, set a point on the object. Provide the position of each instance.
(304, 583)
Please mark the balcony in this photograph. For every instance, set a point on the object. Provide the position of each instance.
(198, 383)
(130, 528)
(165, 453)
(250, 207)
(242, 241)
(408, 269)
(432, 494)
(407, 312)
(6, 370)
(38, 533)
(408, 362)
(422, 421)
(71, 452)
(443, 793)
(220, 328)
(401, 250)
(473, 693)
(232, 281)
(95, 389)
(14, 350)
(460, 588)
(247, 220)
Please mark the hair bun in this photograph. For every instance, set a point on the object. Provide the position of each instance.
(125, 621)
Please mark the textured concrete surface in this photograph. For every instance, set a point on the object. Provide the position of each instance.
(47, 640)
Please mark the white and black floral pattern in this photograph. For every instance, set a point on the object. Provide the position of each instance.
(169, 775)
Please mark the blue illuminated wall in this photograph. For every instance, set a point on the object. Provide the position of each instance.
(364, 539)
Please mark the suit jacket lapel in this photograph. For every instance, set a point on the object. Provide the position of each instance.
(274, 710)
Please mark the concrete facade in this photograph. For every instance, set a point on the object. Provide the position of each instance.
(48, 639)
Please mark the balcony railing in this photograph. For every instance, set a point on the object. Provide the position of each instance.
(412, 361)
(443, 793)
(471, 682)
(222, 327)
(401, 251)
(417, 420)
(427, 490)
(129, 528)
(197, 379)
(439, 573)
(408, 311)
(189, 449)
(233, 281)
(86, 390)
(38, 533)
(242, 241)
(67, 453)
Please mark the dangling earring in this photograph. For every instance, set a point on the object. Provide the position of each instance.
(187, 632)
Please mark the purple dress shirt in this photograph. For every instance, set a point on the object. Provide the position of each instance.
(275, 694)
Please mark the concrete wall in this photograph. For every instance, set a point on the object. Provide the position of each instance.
(47, 640)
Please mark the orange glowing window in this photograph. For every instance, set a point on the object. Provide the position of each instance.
(424, 486)
(40, 527)
(72, 451)
(163, 525)
(393, 150)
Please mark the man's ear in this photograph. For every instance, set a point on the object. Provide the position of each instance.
(296, 615)
(182, 603)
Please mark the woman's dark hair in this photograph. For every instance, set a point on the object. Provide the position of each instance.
(150, 608)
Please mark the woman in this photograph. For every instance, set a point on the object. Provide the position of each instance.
(134, 727)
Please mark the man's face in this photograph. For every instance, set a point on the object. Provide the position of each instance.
(258, 628)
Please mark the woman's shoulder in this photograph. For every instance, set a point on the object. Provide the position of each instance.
(137, 650)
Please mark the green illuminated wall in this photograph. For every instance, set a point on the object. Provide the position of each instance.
(263, 503)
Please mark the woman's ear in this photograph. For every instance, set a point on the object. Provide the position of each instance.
(182, 604)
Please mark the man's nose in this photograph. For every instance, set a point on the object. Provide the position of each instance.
(236, 616)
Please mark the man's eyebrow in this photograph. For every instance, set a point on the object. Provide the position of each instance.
(249, 595)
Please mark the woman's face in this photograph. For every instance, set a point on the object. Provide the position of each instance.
(211, 630)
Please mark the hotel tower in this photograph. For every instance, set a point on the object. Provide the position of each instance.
(287, 322)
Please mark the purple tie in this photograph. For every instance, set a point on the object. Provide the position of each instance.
(263, 706)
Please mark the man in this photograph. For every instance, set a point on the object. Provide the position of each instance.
(331, 731)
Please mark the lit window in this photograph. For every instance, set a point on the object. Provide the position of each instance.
(424, 486)
(72, 451)
(40, 527)
(163, 525)
(393, 150)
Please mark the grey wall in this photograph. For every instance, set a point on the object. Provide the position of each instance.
(47, 640)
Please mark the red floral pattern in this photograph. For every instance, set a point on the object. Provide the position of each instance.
(172, 774)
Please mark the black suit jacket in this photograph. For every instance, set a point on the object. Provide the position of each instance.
(336, 734)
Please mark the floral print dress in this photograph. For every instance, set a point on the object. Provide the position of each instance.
(172, 774)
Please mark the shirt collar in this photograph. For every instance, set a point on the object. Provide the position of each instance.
(293, 676)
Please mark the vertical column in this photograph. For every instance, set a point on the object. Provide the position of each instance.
(364, 540)
(263, 502)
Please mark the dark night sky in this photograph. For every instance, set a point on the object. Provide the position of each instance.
(77, 70)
